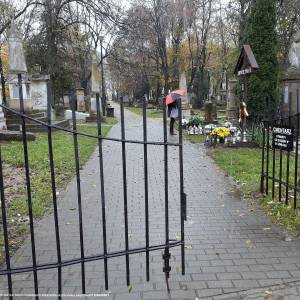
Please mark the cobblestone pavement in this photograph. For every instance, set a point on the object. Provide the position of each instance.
(231, 246)
(288, 291)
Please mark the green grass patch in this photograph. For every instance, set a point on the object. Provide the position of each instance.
(151, 113)
(38, 154)
(244, 165)
(195, 138)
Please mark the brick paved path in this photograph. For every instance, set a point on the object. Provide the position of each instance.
(288, 291)
(230, 247)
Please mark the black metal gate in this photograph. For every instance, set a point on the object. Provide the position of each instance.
(280, 154)
(106, 255)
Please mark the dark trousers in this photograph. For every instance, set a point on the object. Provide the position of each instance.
(172, 121)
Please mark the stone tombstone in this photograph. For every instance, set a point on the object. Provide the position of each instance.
(38, 89)
(93, 107)
(66, 99)
(80, 100)
(210, 112)
(2, 118)
(291, 81)
(231, 110)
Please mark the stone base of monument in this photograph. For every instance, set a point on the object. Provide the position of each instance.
(80, 116)
(14, 122)
(9, 135)
(92, 118)
(2, 121)
(231, 116)
(15, 104)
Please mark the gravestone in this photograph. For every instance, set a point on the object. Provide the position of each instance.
(80, 100)
(66, 99)
(231, 111)
(38, 89)
(291, 81)
(2, 118)
(210, 112)
(17, 65)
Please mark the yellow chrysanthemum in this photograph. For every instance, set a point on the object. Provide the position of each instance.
(221, 132)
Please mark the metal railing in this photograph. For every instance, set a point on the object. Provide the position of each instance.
(279, 169)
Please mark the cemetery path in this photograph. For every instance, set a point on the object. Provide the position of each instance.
(230, 247)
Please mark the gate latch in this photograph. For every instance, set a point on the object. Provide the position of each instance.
(184, 206)
(166, 257)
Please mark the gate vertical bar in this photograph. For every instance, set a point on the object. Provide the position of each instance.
(280, 170)
(5, 229)
(268, 157)
(297, 151)
(182, 196)
(53, 186)
(100, 148)
(77, 166)
(146, 187)
(125, 188)
(263, 160)
(268, 146)
(166, 255)
(273, 165)
(28, 188)
(288, 156)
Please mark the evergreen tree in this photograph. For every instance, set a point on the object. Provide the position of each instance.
(261, 35)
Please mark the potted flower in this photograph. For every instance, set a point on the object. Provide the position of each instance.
(194, 121)
(220, 133)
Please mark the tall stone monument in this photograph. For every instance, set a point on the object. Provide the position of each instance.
(231, 111)
(95, 85)
(17, 65)
(186, 112)
(291, 81)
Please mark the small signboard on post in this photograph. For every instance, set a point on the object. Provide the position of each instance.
(246, 65)
(283, 138)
